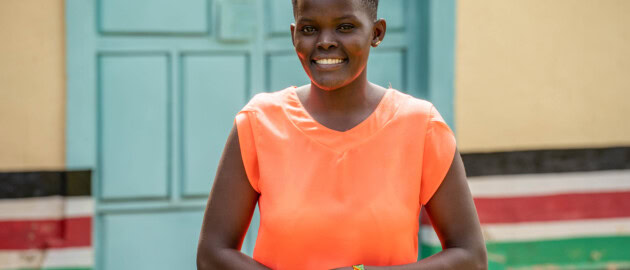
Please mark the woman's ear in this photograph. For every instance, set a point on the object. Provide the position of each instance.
(380, 27)
(293, 34)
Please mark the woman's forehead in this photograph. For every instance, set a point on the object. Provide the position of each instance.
(329, 8)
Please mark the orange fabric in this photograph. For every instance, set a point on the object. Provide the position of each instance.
(331, 199)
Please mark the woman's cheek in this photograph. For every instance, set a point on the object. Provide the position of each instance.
(359, 48)
(302, 52)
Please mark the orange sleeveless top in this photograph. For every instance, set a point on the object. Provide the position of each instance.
(332, 199)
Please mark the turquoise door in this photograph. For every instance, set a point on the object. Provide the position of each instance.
(153, 86)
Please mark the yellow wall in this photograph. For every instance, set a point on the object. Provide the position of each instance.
(32, 84)
(539, 74)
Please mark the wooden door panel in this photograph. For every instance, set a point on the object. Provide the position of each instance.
(387, 68)
(279, 15)
(134, 127)
(284, 70)
(214, 88)
(153, 17)
(150, 240)
(394, 13)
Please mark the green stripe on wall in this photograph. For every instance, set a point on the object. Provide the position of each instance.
(588, 253)
(57, 268)
(69, 268)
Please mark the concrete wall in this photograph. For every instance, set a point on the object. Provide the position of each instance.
(536, 74)
(32, 84)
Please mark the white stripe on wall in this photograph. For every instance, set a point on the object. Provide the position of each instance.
(53, 207)
(546, 184)
(79, 206)
(536, 231)
(35, 258)
(69, 257)
(12, 259)
(31, 208)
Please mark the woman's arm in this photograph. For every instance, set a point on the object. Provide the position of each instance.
(228, 213)
(454, 217)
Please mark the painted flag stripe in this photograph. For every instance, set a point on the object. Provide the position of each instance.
(31, 208)
(69, 257)
(533, 231)
(548, 184)
(551, 208)
(14, 259)
(53, 207)
(547, 161)
(66, 258)
(67, 268)
(583, 253)
(78, 206)
(43, 234)
(43, 184)
(554, 207)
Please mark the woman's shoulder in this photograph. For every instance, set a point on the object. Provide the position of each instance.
(410, 105)
(266, 101)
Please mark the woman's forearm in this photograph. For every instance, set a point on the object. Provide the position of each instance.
(226, 258)
(451, 258)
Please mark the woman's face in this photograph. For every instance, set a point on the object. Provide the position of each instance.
(332, 38)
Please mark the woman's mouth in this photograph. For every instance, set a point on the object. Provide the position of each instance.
(329, 63)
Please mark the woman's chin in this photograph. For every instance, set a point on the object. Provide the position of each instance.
(329, 85)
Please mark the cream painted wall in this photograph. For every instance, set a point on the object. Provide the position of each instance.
(32, 84)
(538, 74)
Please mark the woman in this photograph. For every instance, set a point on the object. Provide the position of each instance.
(340, 167)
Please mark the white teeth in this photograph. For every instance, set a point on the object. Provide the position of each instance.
(329, 61)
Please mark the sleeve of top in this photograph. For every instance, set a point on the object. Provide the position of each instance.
(439, 150)
(244, 126)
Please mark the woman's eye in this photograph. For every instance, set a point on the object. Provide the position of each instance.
(308, 29)
(346, 27)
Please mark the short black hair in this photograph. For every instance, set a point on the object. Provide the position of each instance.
(370, 5)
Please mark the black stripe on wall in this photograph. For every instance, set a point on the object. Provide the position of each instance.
(547, 161)
(46, 183)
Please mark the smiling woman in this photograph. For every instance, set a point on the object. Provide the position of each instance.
(333, 43)
(340, 167)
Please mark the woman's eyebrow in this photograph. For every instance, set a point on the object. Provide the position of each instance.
(305, 20)
(349, 16)
(344, 17)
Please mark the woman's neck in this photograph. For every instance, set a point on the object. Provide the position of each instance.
(343, 108)
(359, 95)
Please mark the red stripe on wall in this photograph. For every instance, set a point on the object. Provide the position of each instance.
(551, 207)
(43, 234)
(554, 207)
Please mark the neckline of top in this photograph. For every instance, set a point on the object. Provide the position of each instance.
(306, 116)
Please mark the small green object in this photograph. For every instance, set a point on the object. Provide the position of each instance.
(358, 267)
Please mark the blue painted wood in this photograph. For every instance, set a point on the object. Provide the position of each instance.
(129, 62)
(394, 13)
(387, 68)
(214, 87)
(81, 86)
(441, 67)
(134, 126)
(154, 16)
(151, 240)
(279, 15)
(237, 20)
(285, 70)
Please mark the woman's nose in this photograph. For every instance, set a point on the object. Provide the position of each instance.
(326, 40)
